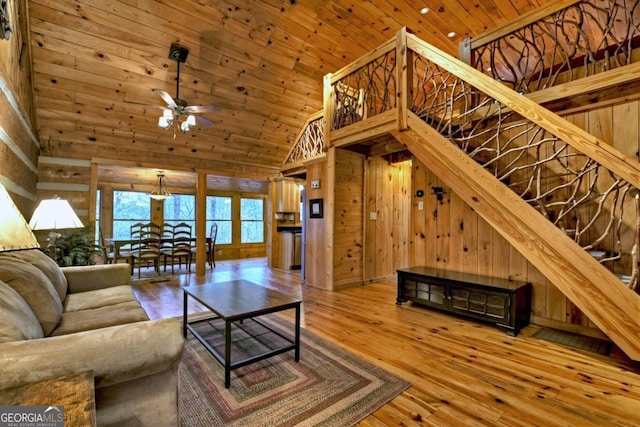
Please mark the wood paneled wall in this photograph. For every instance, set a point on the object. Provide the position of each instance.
(387, 217)
(19, 146)
(348, 238)
(314, 235)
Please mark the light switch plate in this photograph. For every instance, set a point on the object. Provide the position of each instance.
(315, 183)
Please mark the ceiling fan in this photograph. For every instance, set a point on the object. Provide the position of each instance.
(177, 110)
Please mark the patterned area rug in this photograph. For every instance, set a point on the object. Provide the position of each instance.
(328, 387)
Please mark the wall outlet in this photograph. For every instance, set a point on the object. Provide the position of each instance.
(420, 205)
(315, 183)
(373, 215)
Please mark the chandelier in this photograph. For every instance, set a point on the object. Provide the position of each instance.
(160, 193)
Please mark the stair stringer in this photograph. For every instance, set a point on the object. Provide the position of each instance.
(612, 306)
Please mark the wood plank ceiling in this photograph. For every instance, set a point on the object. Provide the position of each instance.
(96, 64)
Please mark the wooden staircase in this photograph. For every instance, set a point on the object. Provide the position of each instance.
(599, 293)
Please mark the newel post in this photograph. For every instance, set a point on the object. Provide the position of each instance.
(329, 108)
(404, 78)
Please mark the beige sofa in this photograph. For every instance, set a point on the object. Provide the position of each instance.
(57, 321)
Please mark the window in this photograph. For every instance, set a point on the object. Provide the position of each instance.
(180, 208)
(219, 211)
(129, 208)
(251, 221)
(98, 231)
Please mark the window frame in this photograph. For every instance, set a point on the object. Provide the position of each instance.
(262, 221)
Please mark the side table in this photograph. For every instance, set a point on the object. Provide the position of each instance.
(75, 392)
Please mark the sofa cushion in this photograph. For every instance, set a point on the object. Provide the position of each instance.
(45, 264)
(98, 298)
(35, 288)
(17, 320)
(100, 317)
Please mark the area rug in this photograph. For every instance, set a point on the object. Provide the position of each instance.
(328, 387)
(570, 339)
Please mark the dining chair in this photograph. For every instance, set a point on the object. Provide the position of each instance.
(211, 243)
(212, 246)
(167, 237)
(180, 247)
(146, 247)
(108, 251)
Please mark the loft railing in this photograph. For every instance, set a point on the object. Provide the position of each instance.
(581, 185)
(564, 41)
(309, 143)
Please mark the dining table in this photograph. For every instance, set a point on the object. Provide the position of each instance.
(119, 243)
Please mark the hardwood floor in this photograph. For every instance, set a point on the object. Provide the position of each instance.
(462, 373)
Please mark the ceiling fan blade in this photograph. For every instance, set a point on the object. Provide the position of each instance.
(204, 121)
(167, 98)
(202, 109)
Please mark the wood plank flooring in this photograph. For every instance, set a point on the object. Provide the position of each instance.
(463, 373)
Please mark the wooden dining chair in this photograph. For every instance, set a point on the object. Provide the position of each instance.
(108, 251)
(146, 247)
(212, 246)
(180, 247)
(213, 232)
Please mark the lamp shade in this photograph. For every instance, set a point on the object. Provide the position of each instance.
(54, 214)
(15, 234)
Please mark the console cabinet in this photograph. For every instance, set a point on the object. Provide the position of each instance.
(505, 303)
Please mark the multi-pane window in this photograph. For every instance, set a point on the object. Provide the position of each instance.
(180, 208)
(98, 231)
(219, 211)
(251, 220)
(129, 208)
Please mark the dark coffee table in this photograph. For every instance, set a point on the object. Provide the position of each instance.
(236, 301)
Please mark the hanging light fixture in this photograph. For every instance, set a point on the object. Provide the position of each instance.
(169, 117)
(166, 120)
(160, 193)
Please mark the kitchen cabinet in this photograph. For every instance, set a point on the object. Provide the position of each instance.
(287, 195)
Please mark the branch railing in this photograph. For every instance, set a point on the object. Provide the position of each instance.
(566, 41)
(309, 143)
(587, 189)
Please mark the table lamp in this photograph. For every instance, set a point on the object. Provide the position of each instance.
(15, 234)
(54, 214)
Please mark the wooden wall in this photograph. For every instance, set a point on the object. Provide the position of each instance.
(387, 217)
(362, 248)
(315, 266)
(348, 238)
(19, 146)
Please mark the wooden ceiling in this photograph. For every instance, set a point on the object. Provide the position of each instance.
(96, 64)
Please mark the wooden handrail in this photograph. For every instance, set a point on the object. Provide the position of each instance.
(603, 153)
(311, 118)
(522, 21)
(384, 48)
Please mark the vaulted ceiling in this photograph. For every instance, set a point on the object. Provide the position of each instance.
(96, 65)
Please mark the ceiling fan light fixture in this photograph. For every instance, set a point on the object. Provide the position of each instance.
(177, 111)
(165, 123)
